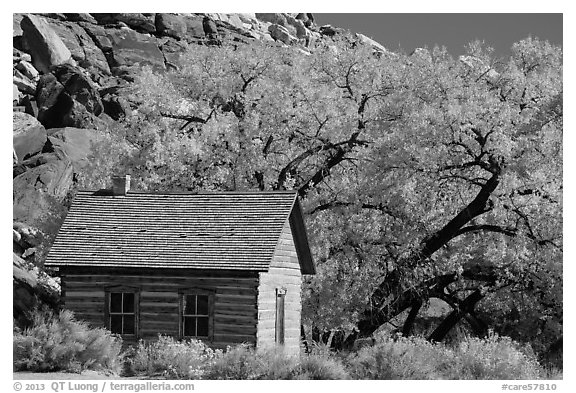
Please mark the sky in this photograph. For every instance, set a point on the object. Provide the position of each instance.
(453, 30)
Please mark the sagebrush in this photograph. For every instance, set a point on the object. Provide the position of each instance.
(170, 358)
(58, 342)
(493, 357)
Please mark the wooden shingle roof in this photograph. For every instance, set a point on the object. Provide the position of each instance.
(237, 231)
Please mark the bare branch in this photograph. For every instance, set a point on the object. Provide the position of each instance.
(486, 228)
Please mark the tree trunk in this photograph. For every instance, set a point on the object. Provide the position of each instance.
(381, 313)
(455, 316)
(479, 326)
(315, 334)
(381, 307)
(303, 338)
(409, 322)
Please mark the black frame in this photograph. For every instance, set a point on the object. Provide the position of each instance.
(108, 313)
(209, 294)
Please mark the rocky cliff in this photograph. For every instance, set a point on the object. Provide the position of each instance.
(70, 72)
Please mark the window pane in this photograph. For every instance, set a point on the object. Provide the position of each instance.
(128, 324)
(115, 302)
(190, 305)
(189, 326)
(128, 303)
(202, 305)
(202, 327)
(116, 324)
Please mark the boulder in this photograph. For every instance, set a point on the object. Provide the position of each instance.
(28, 70)
(280, 33)
(24, 84)
(24, 297)
(232, 21)
(39, 192)
(230, 33)
(297, 26)
(16, 95)
(116, 107)
(75, 143)
(30, 106)
(171, 25)
(130, 48)
(172, 50)
(46, 48)
(105, 122)
(18, 56)
(18, 246)
(67, 97)
(16, 28)
(209, 26)
(25, 239)
(53, 15)
(99, 36)
(369, 41)
(31, 289)
(78, 116)
(306, 18)
(144, 23)
(329, 30)
(29, 136)
(81, 18)
(26, 235)
(277, 19)
(194, 26)
(79, 87)
(83, 49)
(249, 19)
(47, 97)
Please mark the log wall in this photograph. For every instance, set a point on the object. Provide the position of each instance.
(284, 273)
(235, 299)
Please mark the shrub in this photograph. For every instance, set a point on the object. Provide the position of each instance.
(238, 362)
(59, 342)
(169, 358)
(319, 367)
(495, 358)
(244, 362)
(275, 364)
(415, 358)
(403, 358)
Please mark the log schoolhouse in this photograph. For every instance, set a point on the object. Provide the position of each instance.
(225, 268)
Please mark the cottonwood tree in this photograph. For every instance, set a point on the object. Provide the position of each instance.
(466, 188)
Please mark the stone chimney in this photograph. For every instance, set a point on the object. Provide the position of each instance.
(120, 185)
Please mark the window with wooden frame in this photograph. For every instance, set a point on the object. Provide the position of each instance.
(122, 311)
(280, 325)
(196, 313)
